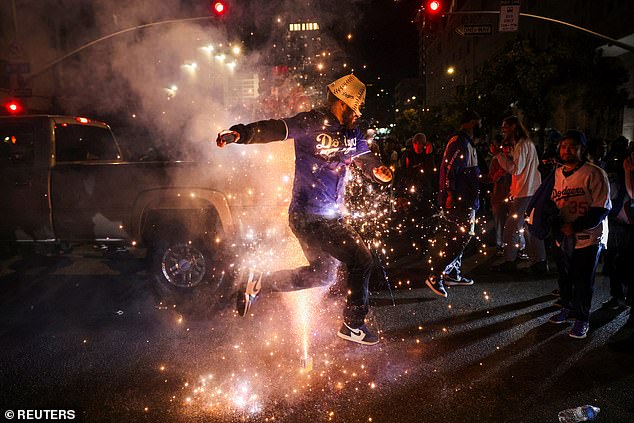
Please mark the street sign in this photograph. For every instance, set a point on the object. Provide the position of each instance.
(509, 15)
(14, 68)
(475, 30)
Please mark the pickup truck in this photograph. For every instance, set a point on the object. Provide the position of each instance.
(64, 181)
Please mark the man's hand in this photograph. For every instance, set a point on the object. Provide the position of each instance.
(382, 173)
(567, 229)
(227, 137)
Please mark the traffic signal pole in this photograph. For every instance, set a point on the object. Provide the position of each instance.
(610, 40)
(106, 37)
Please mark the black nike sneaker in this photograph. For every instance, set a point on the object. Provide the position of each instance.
(248, 291)
(360, 335)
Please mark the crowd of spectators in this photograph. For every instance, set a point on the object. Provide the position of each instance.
(512, 168)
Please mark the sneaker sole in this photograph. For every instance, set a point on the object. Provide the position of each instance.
(435, 291)
(242, 304)
(356, 341)
(572, 335)
(611, 307)
(559, 322)
(607, 306)
(456, 283)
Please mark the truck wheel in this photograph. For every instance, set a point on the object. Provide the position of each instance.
(188, 277)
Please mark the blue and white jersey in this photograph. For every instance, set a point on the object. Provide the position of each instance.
(323, 149)
(574, 194)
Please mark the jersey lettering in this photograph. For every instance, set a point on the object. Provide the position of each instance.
(567, 193)
(327, 146)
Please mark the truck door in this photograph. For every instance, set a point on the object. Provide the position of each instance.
(84, 189)
(24, 180)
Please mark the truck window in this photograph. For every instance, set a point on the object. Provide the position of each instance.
(83, 142)
(17, 143)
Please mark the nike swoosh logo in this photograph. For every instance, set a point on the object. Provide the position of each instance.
(356, 333)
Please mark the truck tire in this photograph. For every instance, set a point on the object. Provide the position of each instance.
(188, 276)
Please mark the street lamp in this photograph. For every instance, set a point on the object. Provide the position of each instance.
(451, 70)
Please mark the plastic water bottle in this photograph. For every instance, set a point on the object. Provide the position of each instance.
(583, 413)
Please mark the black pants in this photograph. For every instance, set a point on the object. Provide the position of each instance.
(618, 258)
(460, 230)
(324, 242)
(577, 268)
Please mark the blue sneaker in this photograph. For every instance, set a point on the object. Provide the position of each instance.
(562, 317)
(579, 329)
(360, 335)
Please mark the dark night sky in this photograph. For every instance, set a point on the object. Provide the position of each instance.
(388, 40)
(384, 37)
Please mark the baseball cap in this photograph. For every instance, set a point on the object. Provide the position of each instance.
(349, 90)
(578, 136)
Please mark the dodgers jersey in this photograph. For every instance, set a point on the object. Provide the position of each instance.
(587, 187)
(323, 149)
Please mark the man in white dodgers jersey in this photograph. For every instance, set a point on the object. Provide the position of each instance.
(582, 195)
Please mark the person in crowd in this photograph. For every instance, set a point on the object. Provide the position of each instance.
(620, 224)
(597, 151)
(582, 195)
(501, 180)
(326, 141)
(550, 157)
(458, 195)
(416, 179)
(525, 179)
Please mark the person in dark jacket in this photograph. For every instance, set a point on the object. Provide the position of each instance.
(326, 142)
(458, 195)
(416, 179)
(620, 224)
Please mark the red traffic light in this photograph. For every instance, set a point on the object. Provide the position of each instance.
(13, 107)
(434, 6)
(219, 8)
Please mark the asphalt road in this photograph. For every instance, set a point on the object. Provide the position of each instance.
(84, 333)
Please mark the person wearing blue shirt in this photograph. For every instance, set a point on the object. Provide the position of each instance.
(326, 141)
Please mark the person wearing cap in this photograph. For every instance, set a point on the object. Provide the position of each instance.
(326, 141)
(582, 195)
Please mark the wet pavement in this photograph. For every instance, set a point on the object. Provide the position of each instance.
(84, 333)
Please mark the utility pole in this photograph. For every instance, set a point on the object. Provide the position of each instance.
(15, 20)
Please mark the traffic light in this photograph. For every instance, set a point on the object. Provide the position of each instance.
(219, 8)
(13, 107)
(433, 10)
(433, 7)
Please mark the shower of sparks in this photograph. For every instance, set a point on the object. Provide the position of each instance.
(255, 370)
(302, 306)
(395, 234)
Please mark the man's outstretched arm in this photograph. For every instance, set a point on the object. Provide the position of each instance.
(260, 132)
